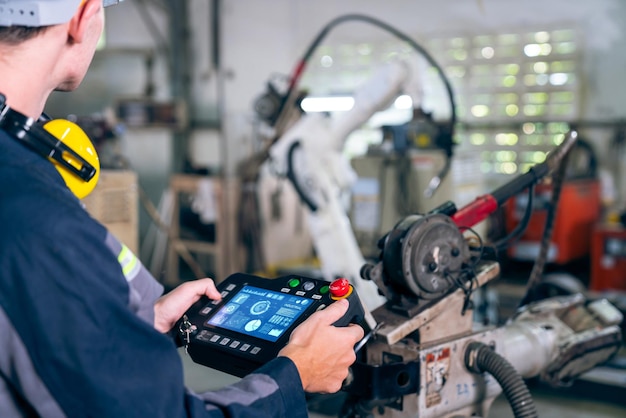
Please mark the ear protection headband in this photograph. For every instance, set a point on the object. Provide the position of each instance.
(62, 142)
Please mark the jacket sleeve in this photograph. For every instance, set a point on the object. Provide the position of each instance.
(274, 390)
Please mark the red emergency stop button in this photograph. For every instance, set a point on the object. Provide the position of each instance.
(340, 289)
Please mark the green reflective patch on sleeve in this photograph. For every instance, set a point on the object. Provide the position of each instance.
(129, 263)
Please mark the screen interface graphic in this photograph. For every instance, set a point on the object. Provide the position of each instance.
(260, 313)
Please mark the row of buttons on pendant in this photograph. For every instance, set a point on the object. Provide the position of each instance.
(307, 286)
(210, 337)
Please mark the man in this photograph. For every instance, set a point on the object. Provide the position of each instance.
(81, 332)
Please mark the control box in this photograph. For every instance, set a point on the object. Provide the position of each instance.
(255, 317)
(608, 258)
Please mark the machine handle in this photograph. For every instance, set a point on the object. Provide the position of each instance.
(483, 206)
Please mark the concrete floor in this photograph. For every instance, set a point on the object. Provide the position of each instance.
(550, 403)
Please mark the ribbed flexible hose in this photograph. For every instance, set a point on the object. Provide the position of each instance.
(481, 358)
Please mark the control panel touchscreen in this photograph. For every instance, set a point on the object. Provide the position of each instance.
(255, 317)
(260, 313)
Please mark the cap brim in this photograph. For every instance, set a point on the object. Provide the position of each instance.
(37, 13)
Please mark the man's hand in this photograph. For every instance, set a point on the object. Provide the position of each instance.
(322, 352)
(171, 306)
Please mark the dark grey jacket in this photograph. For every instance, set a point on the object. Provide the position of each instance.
(76, 313)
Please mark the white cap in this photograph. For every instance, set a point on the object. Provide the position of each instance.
(40, 12)
(36, 12)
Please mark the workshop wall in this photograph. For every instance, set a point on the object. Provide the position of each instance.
(259, 41)
(121, 68)
(261, 38)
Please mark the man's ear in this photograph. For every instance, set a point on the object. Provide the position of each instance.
(80, 21)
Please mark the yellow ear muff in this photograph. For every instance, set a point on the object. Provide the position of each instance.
(75, 138)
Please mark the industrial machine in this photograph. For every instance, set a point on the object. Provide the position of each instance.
(608, 257)
(390, 186)
(424, 356)
(429, 359)
(309, 153)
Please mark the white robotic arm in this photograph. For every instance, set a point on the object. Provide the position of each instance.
(310, 155)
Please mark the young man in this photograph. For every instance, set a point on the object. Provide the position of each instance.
(82, 333)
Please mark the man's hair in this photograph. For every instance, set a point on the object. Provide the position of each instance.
(14, 35)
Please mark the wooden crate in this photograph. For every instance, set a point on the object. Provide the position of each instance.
(114, 202)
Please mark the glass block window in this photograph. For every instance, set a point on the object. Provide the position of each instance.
(515, 91)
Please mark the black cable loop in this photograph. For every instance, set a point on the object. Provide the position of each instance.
(359, 17)
(520, 228)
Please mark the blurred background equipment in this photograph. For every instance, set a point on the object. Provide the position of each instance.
(115, 199)
(143, 112)
(608, 255)
(389, 187)
(309, 152)
(579, 210)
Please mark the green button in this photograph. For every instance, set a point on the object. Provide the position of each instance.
(294, 282)
(324, 290)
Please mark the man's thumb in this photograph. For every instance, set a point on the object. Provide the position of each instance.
(334, 311)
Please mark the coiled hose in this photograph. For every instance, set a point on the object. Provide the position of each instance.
(481, 358)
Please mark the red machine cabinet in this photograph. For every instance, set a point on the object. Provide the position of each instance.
(578, 211)
(608, 258)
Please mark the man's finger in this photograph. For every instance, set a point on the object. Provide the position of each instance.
(210, 289)
(357, 330)
(193, 290)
